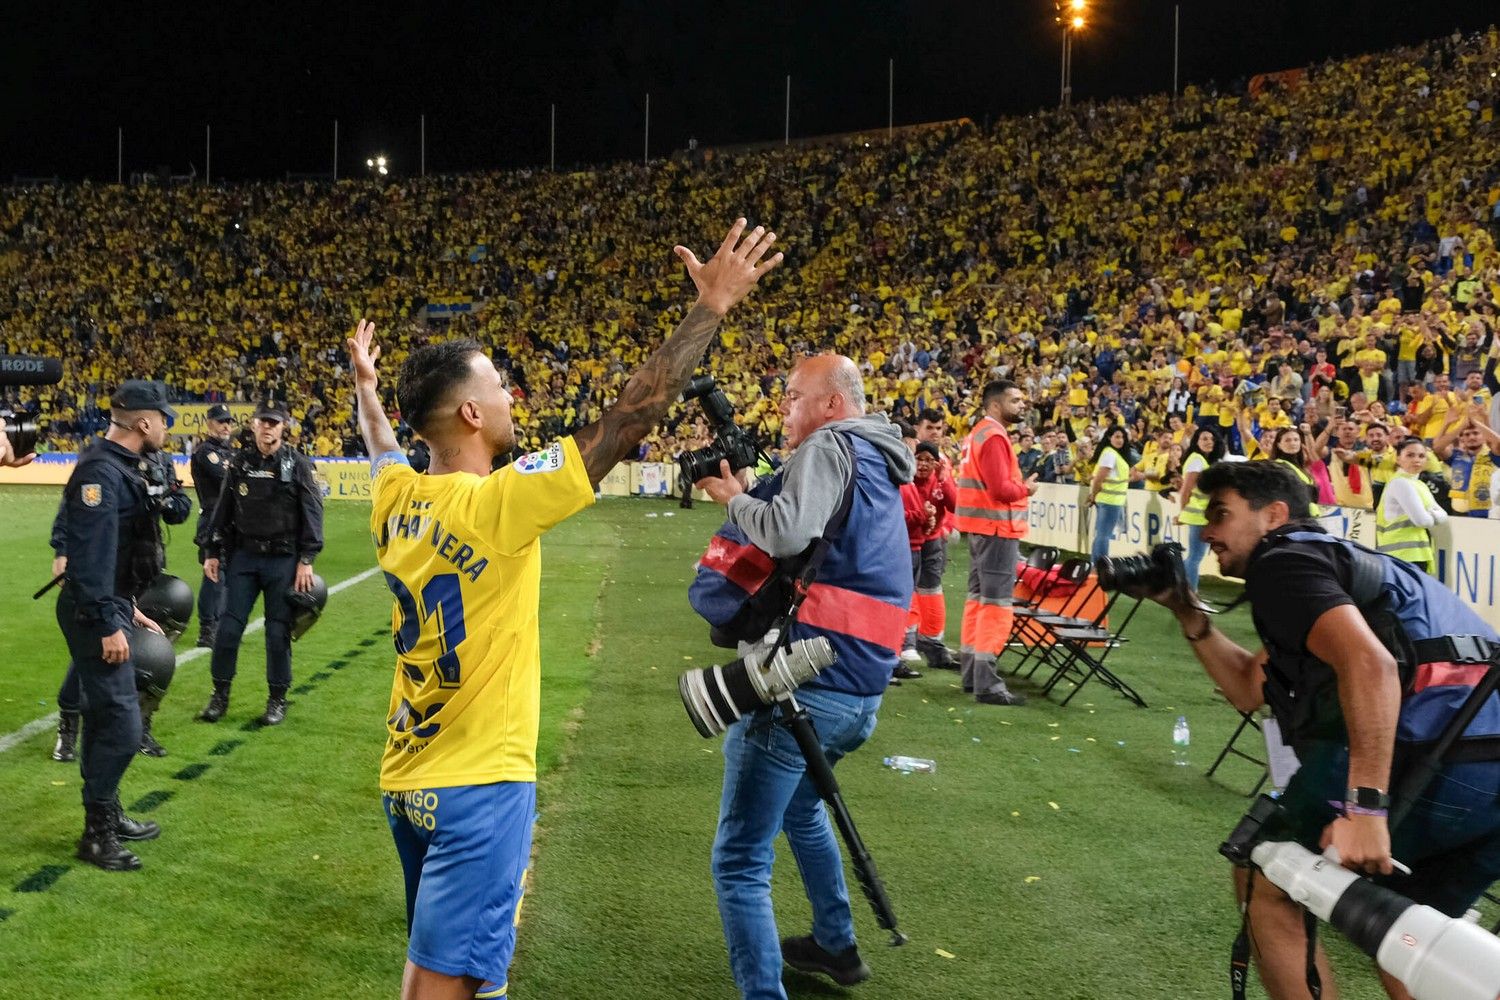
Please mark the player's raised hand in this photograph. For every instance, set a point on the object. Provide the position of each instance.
(730, 273)
(362, 355)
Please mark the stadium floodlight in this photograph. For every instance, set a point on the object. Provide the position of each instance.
(1071, 14)
(378, 164)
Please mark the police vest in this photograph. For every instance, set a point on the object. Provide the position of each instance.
(863, 589)
(1428, 631)
(1116, 483)
(976, 513)
(267, 508)
(140, 555)
(1400, 537)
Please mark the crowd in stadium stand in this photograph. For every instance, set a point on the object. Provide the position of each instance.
(1318, 253)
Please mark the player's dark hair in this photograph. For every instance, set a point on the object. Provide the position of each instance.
(427, 376)
(1260, 483)
(930, 416)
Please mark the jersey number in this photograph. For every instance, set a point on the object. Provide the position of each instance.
(441, 599)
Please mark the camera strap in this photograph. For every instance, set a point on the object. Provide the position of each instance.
(1239, 952)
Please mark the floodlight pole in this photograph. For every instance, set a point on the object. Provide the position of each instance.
(890, 98)
(646, 142)
(786, 131)
(119, 156)
(208, 154)
(552, 156)
(335, 149)
(1176, 44)
(423, 156)
(1067, 67)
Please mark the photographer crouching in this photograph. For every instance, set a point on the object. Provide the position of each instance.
(1365, 661)
(859, 605)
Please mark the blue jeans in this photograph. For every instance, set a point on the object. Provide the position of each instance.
(1450, 840)
(1197, 548)
(766, 791)
(1107, 518)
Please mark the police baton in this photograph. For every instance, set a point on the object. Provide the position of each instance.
(59, 578)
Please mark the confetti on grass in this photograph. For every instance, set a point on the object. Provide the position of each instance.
(943, 954)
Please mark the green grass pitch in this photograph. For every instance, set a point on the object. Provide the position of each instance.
(1055, 853)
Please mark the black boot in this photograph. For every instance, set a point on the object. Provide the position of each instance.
(132, 829)
(149, 746)
(275, 708)
(218, 704)
(208, 631)
(66, 748)
(100, 844)
(149, 704)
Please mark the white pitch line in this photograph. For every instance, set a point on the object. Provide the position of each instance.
(26, 732)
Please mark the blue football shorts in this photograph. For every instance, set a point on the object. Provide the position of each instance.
(464, 852)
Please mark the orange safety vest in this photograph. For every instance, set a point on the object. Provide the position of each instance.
(977, 514)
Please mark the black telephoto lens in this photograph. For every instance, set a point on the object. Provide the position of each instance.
(23, 436)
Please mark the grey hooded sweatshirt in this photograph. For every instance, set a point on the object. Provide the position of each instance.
(813, 484)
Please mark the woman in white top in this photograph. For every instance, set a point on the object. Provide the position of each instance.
(1179, 399)
(1408, 509)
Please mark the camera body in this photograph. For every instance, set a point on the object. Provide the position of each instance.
(731, 442)
(1142, 576)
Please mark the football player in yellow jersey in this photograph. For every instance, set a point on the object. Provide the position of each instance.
(459, 547)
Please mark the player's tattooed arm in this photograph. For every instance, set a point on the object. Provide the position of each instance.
(723, 280)
(374, 425)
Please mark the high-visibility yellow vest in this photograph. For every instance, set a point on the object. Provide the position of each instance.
(1196, 510)
(1317, 509)
(1402, 538)
(1116, 483)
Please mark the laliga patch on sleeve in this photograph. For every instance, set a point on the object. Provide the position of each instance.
(92, 494)
(541, 461)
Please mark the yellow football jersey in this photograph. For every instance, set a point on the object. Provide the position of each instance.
(462, 557)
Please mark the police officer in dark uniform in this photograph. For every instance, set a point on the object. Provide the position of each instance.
(210, 464)
(114, 552)
(171, 504)
(267, 529)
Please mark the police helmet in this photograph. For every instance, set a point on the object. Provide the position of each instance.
(155, 661)
(169, 603)
(306, 608)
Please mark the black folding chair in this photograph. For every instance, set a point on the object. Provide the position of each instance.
(1250, 722)
(1032, 623)
(1084, 648)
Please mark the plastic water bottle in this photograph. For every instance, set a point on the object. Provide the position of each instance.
(1180, 739)
(908, 765)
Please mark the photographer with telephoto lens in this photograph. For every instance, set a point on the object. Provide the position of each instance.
(858, 604)
(1365, 661)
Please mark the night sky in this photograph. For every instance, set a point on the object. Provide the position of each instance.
(270, 77)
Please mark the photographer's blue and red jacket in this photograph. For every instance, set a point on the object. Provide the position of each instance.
(860, 598)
